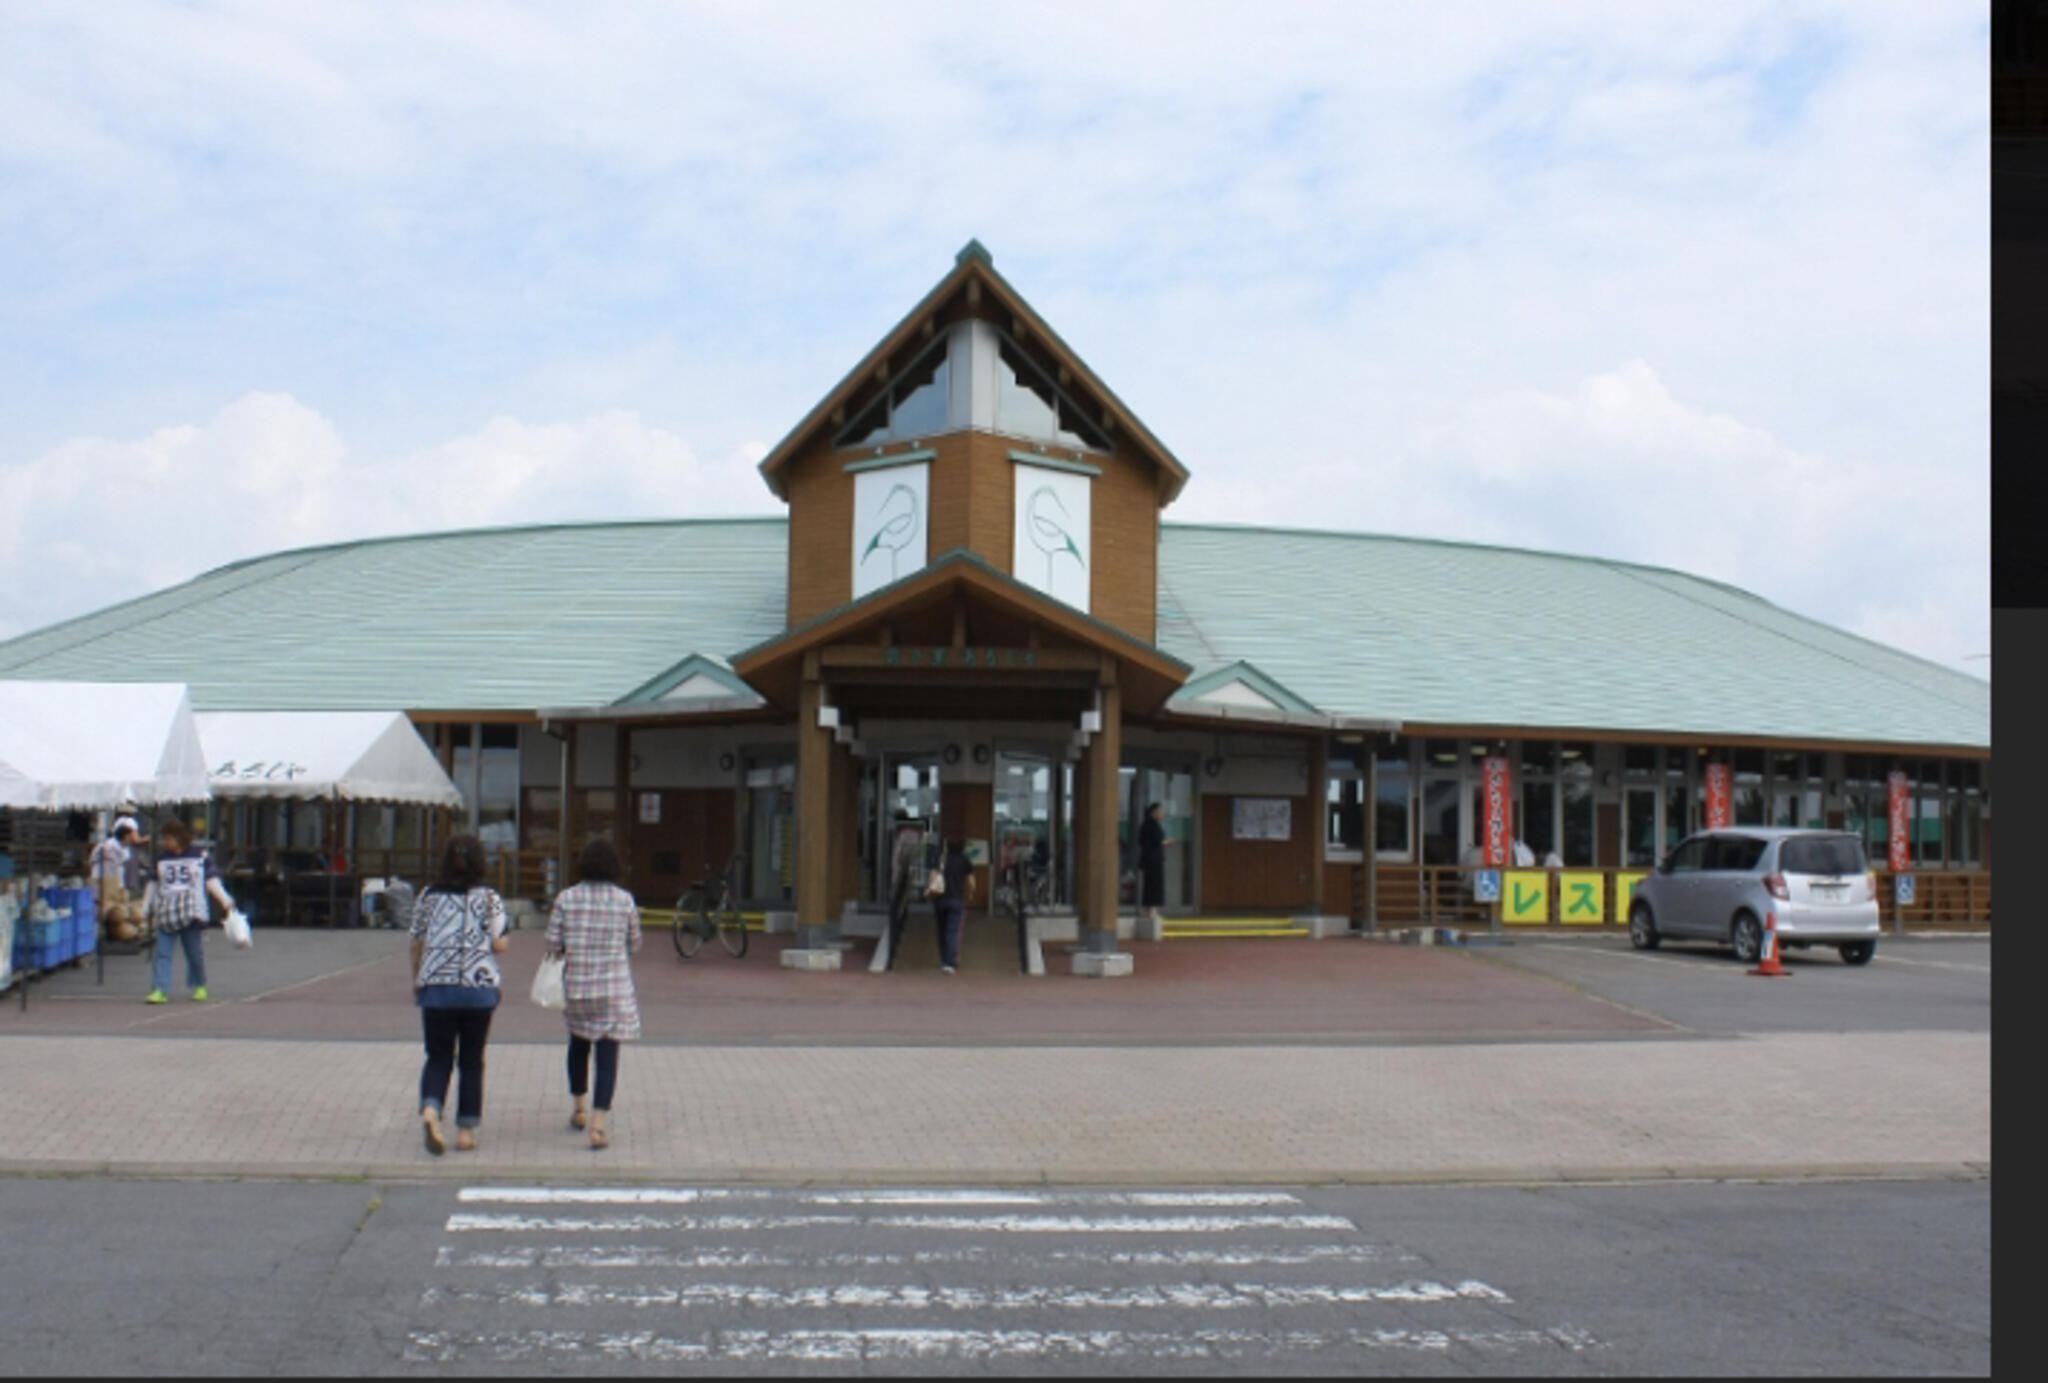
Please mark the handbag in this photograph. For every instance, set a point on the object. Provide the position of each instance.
(547, 983)
(935, 883)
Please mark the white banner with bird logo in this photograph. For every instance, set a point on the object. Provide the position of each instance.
(888, 524)
(1052, 533)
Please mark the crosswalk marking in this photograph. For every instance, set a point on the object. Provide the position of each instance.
(566, 1347)
(465, 1223)
(671, 1195)
(557, 1278)
(653, 1256)
(917, 1297)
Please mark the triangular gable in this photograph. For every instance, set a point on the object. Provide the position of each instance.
(1239, 684)
(774, 668)
(694, 678)
(973, 273)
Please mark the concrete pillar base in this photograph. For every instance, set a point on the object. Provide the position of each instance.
(812, 958)
(779, 923)
(1145, 928)
(1101, 964)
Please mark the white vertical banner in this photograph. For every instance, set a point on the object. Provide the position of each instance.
(889, 524)
(1052, 526)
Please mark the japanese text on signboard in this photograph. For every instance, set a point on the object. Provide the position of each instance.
(1496, 837)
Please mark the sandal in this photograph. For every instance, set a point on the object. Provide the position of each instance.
(579, 1117)
(465, 1140)
(430, 1125)
(599, 1139)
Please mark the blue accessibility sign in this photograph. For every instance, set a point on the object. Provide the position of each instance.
(1902, 888)
(1486, 886)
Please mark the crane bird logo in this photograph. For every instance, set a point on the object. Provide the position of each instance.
(894, 522)
(1048, 534)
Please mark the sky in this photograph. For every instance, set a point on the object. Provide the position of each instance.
(1704, 287)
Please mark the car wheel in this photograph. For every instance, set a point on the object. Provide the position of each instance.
(1858, 952)
(1642, 928)
(1747, 937)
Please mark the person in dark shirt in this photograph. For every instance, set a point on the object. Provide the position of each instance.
(950, 907)
(1152, 866)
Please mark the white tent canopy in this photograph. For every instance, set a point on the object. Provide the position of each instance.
(355, 756)
(80, 746)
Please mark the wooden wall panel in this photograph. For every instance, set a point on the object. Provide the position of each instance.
(1255, 873)
(694, 836)
(820, 535)
(1124, 589)
(1337, 886)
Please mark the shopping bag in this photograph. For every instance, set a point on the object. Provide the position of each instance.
(236, 925)
(935, 883)
(547, 983)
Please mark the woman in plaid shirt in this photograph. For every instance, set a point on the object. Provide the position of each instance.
(596, 925)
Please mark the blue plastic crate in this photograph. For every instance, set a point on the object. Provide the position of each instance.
(85, 933)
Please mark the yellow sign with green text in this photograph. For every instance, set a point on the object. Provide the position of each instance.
(1624, 893)
(1580, 897)
(1525, 896)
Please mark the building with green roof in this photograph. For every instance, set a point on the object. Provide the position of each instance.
(973, 615)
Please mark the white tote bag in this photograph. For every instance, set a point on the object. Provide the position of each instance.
(236, 925)
(547, 983)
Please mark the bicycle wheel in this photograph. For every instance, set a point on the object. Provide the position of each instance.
(688, 933)
(732, 930)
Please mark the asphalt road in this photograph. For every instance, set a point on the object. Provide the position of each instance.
(339, 1278)
(1912, 984)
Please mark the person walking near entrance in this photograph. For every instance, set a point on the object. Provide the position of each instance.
(175, 904)
(596, 927)
(1152, 870)
(949, 908)
(458, 930)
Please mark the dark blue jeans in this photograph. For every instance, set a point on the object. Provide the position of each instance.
(607, 1068)
(949, 912)
(455, 1042)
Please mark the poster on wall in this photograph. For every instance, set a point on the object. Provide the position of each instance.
(1051, 551)
(1494, 830)
(889, 524)
(1720, 800)
(1261, 818)
(650, 808)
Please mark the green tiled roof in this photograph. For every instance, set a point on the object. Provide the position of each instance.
(1352, 624)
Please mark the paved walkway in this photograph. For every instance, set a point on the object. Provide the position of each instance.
(1401, 1064)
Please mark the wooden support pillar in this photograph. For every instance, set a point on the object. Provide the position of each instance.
(1319, 819)
(813, 808)
(845, 829)
(1370, 914)
(566, 817)
(1105, 754)
(626, 810)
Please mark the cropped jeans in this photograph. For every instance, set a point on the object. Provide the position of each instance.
(160, 960)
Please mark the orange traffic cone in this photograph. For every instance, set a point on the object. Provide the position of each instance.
(1769, 961)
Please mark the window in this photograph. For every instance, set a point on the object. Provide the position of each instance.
(1734, 852)
(1346, 809)
(1821, 855)
(1028, 404)
(916, 402)
(1391, 815)
(1689, 856)
(1575, 807)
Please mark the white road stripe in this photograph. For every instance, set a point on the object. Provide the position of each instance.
(650, 1256)
(916, 1297)
(460, 1222)
(657, 1195)
(570, 1347)
(1930, 964)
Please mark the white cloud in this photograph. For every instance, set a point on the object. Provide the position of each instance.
(96, 521)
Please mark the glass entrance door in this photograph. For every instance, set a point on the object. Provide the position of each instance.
(893, 785)
(1034, 803)
(768, 873)
(1172, 784)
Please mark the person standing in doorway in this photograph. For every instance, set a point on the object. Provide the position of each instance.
(458, 932)
(949, 908)
(1152, 870)
(596, 927)
(176, 906)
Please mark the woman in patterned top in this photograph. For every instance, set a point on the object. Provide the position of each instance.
(176, 905)
(458, 929)
(596, 925)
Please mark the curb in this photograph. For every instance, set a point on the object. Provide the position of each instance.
(456, 1167)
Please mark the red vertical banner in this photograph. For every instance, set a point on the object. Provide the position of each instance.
(1720, 797)
(1900, 801)
(1496, 831)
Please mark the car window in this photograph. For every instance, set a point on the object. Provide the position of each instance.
(1735, 852)
(1687, 857)
(1821, 855)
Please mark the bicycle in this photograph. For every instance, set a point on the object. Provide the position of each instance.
(710, 907)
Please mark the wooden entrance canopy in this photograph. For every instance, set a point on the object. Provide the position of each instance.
(957, 639)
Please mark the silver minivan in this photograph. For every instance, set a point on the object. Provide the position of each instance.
(1720, 885)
